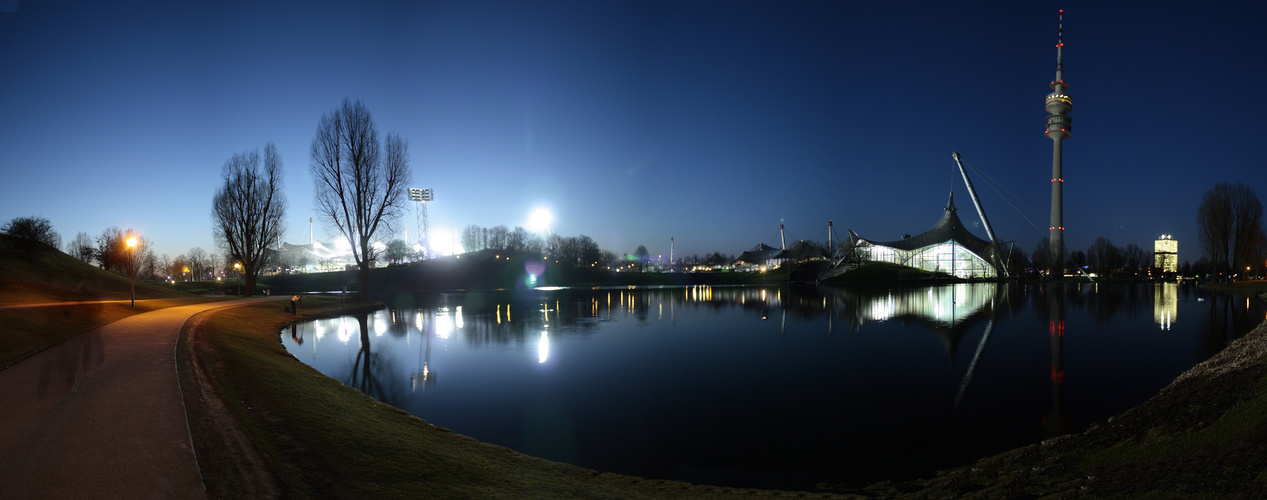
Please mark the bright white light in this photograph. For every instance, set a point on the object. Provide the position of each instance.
(540, 219)
(444, 324)
(543, 348)
(342, 247)
(380, 324)
(445, 241)
(345, 331)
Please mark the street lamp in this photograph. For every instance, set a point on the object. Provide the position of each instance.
(182, 273)
(132, 261)
(237, 266)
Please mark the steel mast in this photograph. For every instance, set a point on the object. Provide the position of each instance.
(994, 242)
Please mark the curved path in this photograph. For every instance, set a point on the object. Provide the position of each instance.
(100, 415)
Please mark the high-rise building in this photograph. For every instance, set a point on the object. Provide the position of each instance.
(1166, 253)
(1059, 124)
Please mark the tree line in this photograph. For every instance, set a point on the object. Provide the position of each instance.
(109, 251)
(1230, 229)
(577, 251)
(361, 192)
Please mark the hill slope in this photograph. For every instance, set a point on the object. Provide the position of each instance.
(34, 273)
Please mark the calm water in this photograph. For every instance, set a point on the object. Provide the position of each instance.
(774, 386)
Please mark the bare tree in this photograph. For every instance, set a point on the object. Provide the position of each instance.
(163, 267)
(360, 185)
(199, 264)
(113, 253)
(1229, 220)
(1214, 223)
(217, 264)
(1247, 229)
(1039, 257)
(179, 268)
(248, 210)
(147, 265)
(471, 239)
(81, 247)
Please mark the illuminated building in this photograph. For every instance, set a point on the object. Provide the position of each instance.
(763, 255)
(1166, 253)
(1059, 124)
(947, 247)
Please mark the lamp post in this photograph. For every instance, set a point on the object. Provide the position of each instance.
(237, 266)
(182, 273)
(132, 261)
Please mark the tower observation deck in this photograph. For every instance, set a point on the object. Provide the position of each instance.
(1059, 124)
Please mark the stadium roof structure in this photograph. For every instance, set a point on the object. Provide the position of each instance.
(763, 254)
(947, 247)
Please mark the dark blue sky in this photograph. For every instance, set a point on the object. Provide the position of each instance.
(635, 122)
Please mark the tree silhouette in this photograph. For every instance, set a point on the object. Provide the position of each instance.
(360, 184)
(247, 212)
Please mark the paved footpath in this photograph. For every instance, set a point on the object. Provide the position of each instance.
(100, 415)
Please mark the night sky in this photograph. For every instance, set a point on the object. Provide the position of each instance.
(634, 122)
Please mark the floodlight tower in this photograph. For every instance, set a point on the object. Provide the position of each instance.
(422, 196)
(1059, 124)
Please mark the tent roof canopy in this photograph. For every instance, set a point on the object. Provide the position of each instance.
(949, 228)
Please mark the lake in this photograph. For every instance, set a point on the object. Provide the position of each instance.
(775, 386)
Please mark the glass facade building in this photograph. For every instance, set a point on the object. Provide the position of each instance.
(946, 248)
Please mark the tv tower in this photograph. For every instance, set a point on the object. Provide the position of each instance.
(1058, 126)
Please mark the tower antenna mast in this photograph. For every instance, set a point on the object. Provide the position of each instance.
(1059, 125)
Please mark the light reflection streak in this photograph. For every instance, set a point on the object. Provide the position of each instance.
(543, 347)
(444, 324)
(944, 305)
(380, 326)
(457, 318)
(1165, 304)
(344, 333)
(882, 309)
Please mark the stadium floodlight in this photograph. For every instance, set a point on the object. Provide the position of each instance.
(416, 194)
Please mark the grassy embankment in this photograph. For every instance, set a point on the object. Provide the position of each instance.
(35, 274)
(1249, 288)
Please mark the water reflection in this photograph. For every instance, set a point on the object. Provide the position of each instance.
(889, 393)
(1165, 304)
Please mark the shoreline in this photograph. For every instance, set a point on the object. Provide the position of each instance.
(1203, 434)
(1023, 471)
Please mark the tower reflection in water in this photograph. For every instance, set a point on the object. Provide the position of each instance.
(1054, 423)
(848, 376)
(1165, 304)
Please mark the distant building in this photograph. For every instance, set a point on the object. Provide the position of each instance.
(763, 255)
(1166, 253)
(946, 248)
